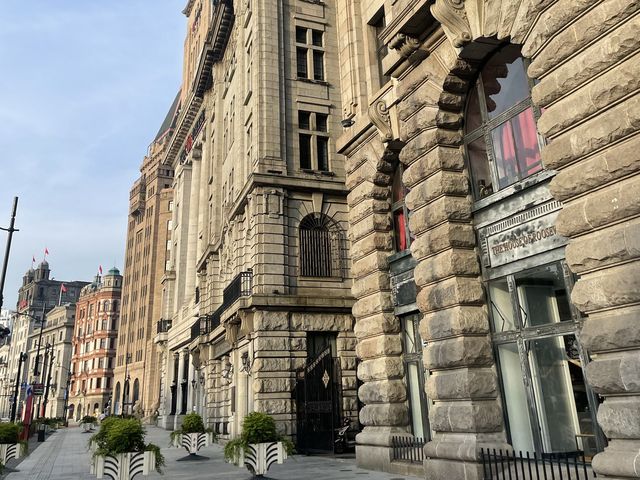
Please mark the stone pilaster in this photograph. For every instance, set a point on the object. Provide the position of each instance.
(589, 88)
(377, 330)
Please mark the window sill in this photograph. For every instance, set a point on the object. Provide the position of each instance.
(520, 186)
(311, 80)
(326, 173)
(394, 257)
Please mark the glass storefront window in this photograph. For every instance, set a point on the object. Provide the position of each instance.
(548, 404)
(415, 376)
(542, 296)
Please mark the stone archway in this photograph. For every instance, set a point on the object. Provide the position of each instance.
(585, 57)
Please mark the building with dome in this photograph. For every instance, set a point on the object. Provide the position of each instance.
(94, 346)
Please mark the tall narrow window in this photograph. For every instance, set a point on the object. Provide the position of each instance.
(314, 140)
(310, 53)
(320, 251)
(378, 24)
(401, 234)
(502, 143)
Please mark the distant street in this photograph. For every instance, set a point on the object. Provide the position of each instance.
(64, 456)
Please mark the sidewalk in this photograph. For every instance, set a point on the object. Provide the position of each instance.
(64, 456)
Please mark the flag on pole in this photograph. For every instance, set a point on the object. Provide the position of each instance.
(63, 289)
(100, 269)
(46, 251)
(33, 260)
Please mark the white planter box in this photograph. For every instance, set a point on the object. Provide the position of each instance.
(260, 456)
(87, 427)
(124, 466)
(192, 442)
(9, 451)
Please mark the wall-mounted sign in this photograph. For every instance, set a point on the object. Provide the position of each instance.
(522, 235)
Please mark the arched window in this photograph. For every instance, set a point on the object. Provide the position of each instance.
(319, 247)
(401, 235)
(136, 391)
(502, 143)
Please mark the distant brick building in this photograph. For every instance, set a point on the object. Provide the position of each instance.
(94, 345)
(146, 255)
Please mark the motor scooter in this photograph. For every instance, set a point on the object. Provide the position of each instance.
(345, 438)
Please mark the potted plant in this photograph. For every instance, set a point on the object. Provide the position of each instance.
(259, 445)
(192, 436)
(10, 444)
(120, 452)
(88, 423)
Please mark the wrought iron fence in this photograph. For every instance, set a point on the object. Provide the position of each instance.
(505, 465)
(407, 449)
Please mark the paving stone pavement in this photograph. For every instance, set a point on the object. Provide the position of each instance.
(64, 456)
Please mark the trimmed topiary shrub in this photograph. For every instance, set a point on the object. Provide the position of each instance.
(192, 423)
(257, 428)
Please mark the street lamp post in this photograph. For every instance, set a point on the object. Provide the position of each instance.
(46, 390)
(21, 360)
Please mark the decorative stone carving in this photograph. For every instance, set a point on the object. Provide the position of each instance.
(380, 117)
(404, 44)
(453, 17)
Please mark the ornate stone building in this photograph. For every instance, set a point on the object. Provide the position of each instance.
(146, 256)
(258, 289)
(36, 297)
(492, 163)
(94, 347)
(54, 339)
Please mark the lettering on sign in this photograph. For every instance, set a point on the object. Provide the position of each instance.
(521, 236)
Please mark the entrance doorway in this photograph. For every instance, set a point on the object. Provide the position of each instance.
(318, 400)
(549, 406)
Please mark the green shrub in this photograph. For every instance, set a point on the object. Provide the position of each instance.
(9, 432)
(121, 435)
(192, 423)
(89, 419)
(257, 427)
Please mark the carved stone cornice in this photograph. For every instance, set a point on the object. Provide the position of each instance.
(453, 17)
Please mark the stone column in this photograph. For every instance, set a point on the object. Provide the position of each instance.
(589, 88)
(377, 329)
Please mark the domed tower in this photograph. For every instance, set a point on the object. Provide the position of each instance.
(43, 271)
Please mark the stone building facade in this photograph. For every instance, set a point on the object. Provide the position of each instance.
(56, 349)
(258, 287)
(492, 163)
(94, 347)
(146, 256)
(36, 297)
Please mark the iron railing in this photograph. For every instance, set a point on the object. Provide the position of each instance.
(163, 325)
(505, 465)
(240, 286)
(407, 449)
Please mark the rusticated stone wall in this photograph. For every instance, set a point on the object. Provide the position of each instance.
(377, 329)
(585, 56)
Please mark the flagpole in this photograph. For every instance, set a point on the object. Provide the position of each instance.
(60, 297)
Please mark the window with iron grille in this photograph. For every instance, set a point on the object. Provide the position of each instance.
(319, 247)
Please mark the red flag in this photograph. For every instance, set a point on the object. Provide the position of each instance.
(63, 289)
(100, 269)
(46, 251)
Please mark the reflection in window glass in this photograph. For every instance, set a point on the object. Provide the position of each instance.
(542, 296)
(504, 81)
(477, 153)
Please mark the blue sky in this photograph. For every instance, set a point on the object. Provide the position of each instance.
(85, 85)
